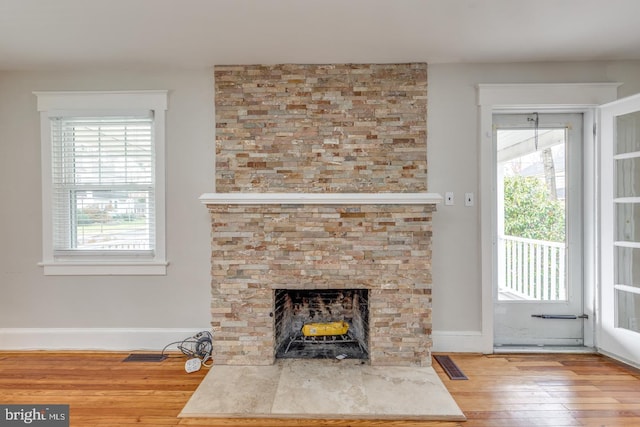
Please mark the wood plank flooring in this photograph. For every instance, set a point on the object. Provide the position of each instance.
(502, 390)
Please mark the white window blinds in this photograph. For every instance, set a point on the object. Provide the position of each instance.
(103, 184)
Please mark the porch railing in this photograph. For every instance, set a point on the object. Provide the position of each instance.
(533, 269)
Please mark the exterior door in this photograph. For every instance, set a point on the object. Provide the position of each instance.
(539, 295)
(618, 326)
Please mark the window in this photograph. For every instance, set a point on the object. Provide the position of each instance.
(103, 182)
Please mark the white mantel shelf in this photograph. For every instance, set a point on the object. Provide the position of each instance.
(320, 198)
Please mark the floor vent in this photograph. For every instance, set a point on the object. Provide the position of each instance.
(450, 368)
(145, 357)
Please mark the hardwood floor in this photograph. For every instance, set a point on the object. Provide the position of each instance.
(502, 390)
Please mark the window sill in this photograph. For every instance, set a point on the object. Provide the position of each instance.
(108, 268)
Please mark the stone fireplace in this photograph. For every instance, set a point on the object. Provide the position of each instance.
(321, 212)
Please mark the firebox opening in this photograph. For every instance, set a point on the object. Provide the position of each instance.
(322, 311)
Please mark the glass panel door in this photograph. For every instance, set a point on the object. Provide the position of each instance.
(627, 207)
(539, 293)
(619, 323)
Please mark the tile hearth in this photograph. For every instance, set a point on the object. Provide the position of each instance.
(323, 389)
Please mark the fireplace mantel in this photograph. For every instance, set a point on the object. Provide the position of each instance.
(320, 198)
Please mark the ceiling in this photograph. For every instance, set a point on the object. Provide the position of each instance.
(61, 34)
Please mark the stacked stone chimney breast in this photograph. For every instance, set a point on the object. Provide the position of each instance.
(299, 129)
(321, 128)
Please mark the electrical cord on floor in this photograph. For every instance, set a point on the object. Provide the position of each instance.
(199, 346)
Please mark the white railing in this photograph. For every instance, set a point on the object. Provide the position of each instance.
(533, 269)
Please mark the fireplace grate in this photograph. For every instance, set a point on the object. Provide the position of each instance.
(295, 308)
(330, 339)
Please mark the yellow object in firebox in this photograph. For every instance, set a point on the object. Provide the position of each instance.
(324, 329)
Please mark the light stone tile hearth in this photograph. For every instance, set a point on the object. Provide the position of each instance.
(322, 389)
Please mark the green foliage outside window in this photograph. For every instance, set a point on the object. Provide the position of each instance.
(530, 213)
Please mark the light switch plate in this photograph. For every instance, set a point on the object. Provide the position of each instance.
(468, 199)
(448, 198)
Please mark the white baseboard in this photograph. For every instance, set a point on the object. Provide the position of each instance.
(631, 363)
(110, 339)
(129, 339)
(460, 342)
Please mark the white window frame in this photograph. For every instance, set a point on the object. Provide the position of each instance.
(104, 103)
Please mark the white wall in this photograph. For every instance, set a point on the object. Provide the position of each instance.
(148, 312)
(142, 312)
(454, 166)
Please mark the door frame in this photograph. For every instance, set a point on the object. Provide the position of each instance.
(582, 98)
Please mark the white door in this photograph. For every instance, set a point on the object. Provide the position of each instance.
(618, 326)
(539, 294)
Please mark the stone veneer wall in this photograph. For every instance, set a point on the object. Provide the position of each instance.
(321, 128)
(383, 248)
